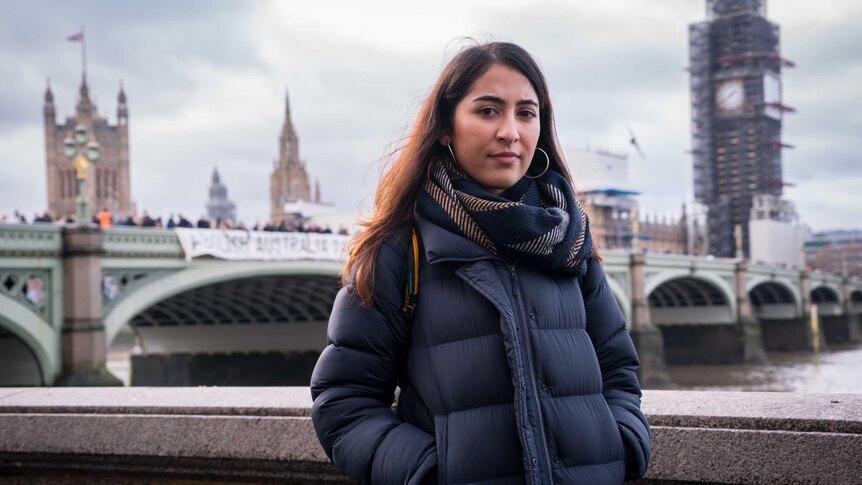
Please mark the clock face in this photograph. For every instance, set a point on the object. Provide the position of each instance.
(729, 95)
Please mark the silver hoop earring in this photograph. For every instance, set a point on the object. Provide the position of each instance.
(453, 153)
(547, 164)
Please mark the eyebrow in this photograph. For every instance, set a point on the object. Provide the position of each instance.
(496, 99)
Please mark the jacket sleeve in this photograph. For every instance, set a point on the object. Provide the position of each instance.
(353, 383)
(619, 363)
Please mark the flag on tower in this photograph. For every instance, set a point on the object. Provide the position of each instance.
(79, 37)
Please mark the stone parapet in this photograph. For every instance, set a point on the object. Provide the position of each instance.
(102, 434)
(754, 437)
(31, 240)
(247, 435)
(141, 242)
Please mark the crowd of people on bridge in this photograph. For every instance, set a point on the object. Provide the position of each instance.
(105, 219)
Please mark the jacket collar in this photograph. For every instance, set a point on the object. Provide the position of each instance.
(442, 245)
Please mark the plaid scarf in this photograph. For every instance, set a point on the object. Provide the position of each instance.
(536, 219)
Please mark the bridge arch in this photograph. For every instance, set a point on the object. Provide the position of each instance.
(825, 293)
(790, 285)
(827, 298)
(696, 317)
(709, 278)
(690, 300)
(774, 299)
(200, 274)
(36, 334)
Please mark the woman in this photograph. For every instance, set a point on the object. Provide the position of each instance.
(516, 366)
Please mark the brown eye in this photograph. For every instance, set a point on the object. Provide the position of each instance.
(487, 111)
(528, 114)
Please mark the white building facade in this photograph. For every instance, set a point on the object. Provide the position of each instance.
(776, 236)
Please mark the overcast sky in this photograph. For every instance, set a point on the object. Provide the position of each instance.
(206, 83)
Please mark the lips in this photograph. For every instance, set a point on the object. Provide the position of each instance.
(506, 157)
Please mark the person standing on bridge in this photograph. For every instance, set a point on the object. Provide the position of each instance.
(104, 218)
(513, 362)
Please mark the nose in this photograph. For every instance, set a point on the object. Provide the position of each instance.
(507, 132)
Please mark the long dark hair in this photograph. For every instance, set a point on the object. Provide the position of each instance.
(396, 192)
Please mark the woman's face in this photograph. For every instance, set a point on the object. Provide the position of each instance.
(496, 128)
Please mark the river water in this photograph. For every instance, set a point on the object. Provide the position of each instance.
(835, 371)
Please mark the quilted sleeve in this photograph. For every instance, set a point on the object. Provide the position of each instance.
(353, 383)
(619, 363)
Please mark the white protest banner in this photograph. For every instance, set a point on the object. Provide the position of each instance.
(261, 246)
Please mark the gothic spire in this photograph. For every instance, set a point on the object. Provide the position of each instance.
(288, 142)
(286, 104)
(49, 96)
(86, 109)
(84, 90)
(48, 108)
(122, 109)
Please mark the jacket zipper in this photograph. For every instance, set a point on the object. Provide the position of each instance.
(526, 331)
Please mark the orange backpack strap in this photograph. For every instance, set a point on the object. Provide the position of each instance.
(411, 286)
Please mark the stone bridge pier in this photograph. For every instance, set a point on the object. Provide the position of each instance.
(749, 326)
(84, 346)
(645, 335)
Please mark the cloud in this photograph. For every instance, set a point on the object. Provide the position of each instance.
(22, 180)
(828, 203)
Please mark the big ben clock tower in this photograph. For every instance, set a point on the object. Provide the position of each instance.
(737, 110)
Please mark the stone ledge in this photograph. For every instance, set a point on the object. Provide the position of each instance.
(222, 437)
(203, 401)
(838, 413)
(118, 435)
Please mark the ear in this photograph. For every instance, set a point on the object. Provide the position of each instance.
(445, 139)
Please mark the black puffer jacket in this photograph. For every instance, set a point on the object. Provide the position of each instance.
(509, 374)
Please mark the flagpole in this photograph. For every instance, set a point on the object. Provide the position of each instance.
(84, 53)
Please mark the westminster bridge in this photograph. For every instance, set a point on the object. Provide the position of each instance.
(67, 292)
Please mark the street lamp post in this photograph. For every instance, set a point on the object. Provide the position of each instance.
(84, 348)
(82, 153)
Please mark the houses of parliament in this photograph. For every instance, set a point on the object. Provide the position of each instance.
(109, 184)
